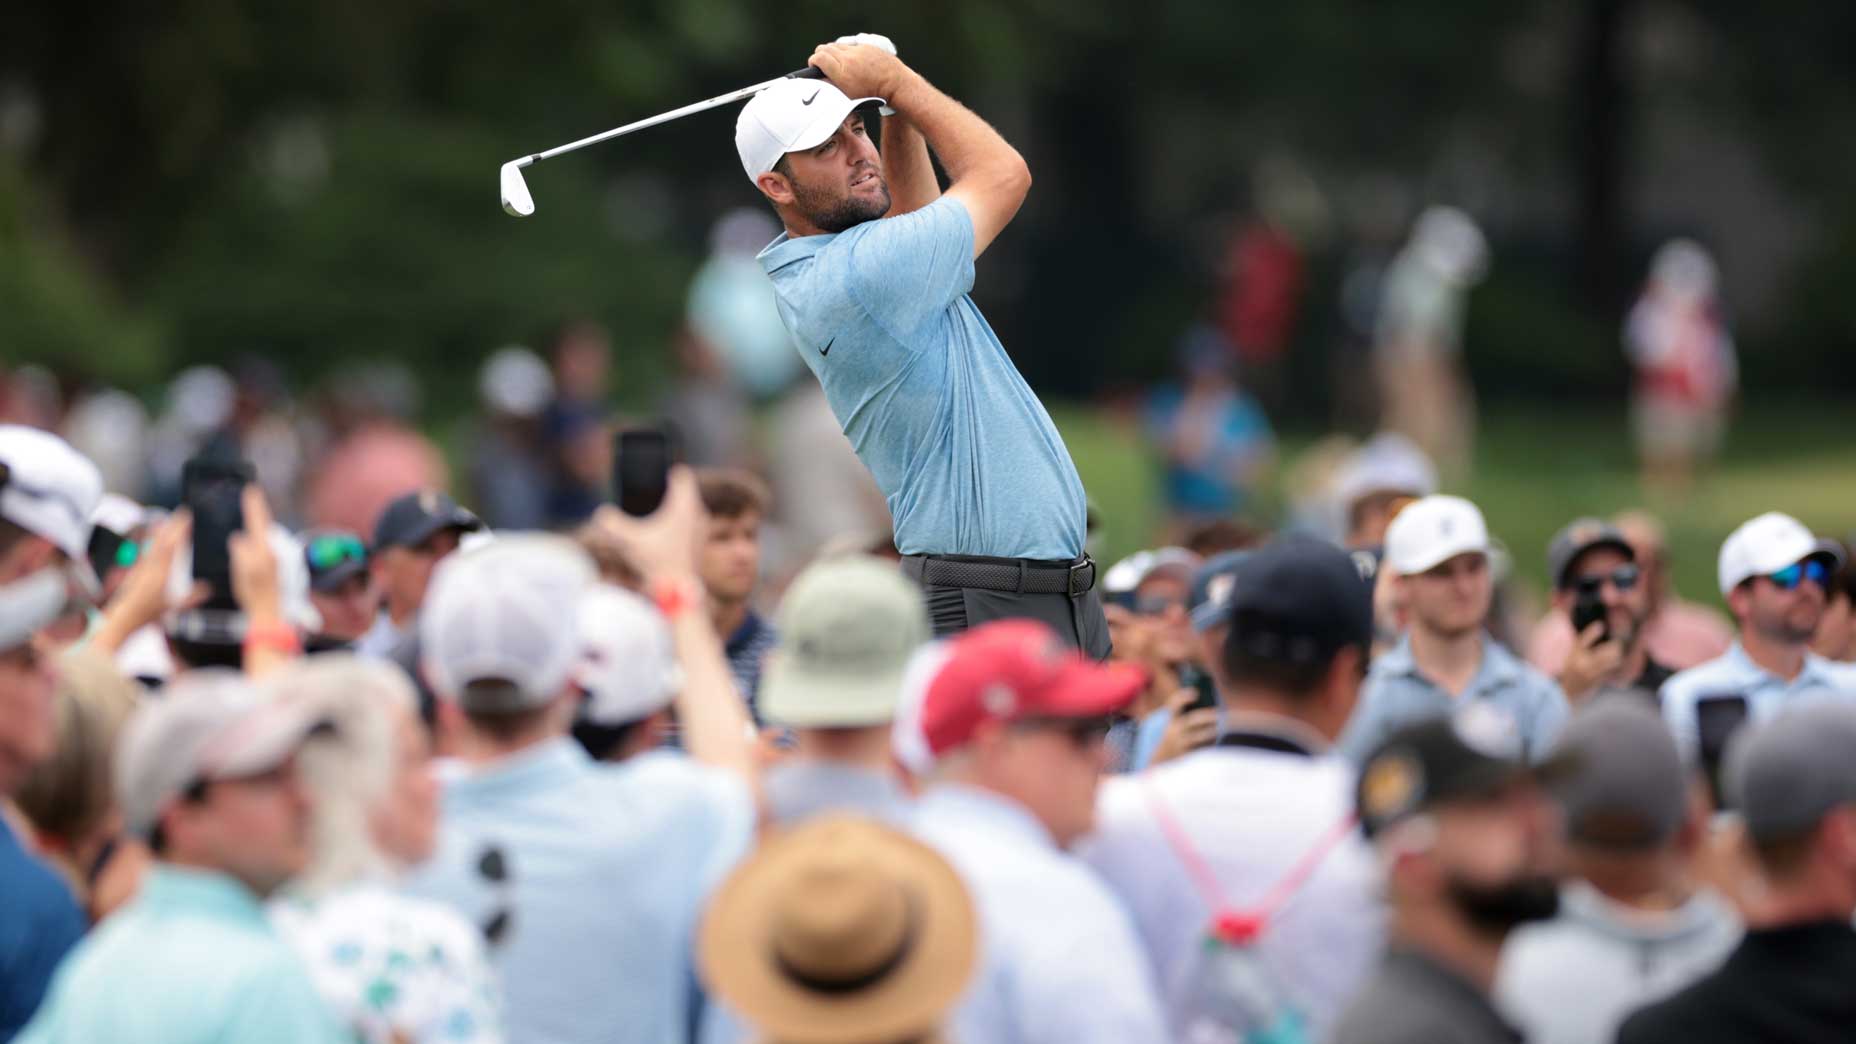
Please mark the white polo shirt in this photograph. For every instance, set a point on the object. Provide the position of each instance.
(1252, 814)
(1061, 963)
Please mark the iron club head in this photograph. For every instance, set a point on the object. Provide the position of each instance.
(516, 200)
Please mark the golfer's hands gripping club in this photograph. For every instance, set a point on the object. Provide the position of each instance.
(861, 71)
(881, 43)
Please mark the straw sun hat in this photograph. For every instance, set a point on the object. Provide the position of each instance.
(840, 931)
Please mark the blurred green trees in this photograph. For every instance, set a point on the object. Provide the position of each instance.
(315, 180)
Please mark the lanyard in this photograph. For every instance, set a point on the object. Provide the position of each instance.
(1234, 925)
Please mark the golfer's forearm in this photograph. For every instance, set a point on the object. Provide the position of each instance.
(974, 154)
(906, 166)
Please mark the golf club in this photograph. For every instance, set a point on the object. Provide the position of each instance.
(519, 203)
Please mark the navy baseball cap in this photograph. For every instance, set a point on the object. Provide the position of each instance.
(413, 518)
(1212, 584)
(334, 556)
(1299, 600)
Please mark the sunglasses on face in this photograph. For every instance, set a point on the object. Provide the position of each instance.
(1623, 578)
(327, 552)
(1791, 576)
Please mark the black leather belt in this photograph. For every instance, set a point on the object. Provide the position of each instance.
(1017, 575)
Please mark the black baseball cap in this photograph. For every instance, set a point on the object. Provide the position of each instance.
(1299, 600)
(1579, 536)
(1431, 763)
(334, 557)
(413, 518)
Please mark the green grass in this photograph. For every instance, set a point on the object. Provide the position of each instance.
(1537, 469)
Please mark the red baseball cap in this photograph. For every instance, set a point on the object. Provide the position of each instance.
(1013, 670)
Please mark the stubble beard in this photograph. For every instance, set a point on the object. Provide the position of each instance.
(834, 214)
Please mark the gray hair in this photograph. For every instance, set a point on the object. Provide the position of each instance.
(349, 770)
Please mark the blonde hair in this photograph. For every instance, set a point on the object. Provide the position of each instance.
(71, 795)
(348, 770)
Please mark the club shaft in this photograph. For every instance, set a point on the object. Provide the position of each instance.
(666, 117)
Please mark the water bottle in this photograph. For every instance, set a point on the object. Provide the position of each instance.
(1230, 996)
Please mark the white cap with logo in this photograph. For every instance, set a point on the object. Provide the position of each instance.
(791, 116)
(50, 490)
(1765, 545)
(628, 661)
(1433, 530)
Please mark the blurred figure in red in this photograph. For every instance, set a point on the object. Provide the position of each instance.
(1686, 367)
(1264, 271)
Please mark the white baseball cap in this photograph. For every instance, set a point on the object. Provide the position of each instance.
(210, 724)
(51, 490)
(1389, 462)
(628, 665)
(791, 116)
(1433, 530)
(1767, 544)
(507, 612)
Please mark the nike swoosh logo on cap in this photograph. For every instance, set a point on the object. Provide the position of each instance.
(827, 349)
(814, 97)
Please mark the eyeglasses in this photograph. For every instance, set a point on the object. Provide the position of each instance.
(1623, 578)
(1798, 572)
(328, 551)
(1084, 733)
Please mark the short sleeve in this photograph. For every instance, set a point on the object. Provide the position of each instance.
(905, 271)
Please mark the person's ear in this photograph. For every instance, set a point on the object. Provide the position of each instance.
(1839, 837)
(1340, 689)
(776, 187)
(1740, 600)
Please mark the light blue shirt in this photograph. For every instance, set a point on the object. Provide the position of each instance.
(606, 870)
(1734, 673)
(966, 455)
(1061, 962)
(1507, 703)
(192, 959)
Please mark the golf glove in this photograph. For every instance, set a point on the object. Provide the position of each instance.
(876, 40)
(881, 43)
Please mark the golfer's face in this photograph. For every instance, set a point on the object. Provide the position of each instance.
(844, 168)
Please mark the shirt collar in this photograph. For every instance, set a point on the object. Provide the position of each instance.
(1265, 731)
(1498, 666)
(535, 768)
(200, 891)
(1816, 669)
(751, 625)
(988, 810)
(786, 249)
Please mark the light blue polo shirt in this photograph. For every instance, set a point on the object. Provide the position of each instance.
(966, 455)
(606, 870)
(1506, 696)
(193, 958)
(1734, 673)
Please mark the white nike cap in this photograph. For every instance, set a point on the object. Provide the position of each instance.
(1433, 530)
(50, 489)
(1767, 544)
(791, 116)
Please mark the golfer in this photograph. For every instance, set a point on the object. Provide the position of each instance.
(872, 277)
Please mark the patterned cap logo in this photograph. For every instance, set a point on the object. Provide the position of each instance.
(1391, 785)
(428, 501)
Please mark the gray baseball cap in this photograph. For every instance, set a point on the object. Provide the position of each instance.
(1625, 787)
(847, 629)
(209, 725)
(1784, 776)
(1579, 536)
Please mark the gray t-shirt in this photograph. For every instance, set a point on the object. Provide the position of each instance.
(1415, 1000)
(963, 451)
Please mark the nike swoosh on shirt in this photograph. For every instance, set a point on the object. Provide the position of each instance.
(814, 97)
(827, 349)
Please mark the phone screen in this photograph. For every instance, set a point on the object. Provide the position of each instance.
(211, 487)
(1587, 609)
(641, 460)
(1717, 718)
